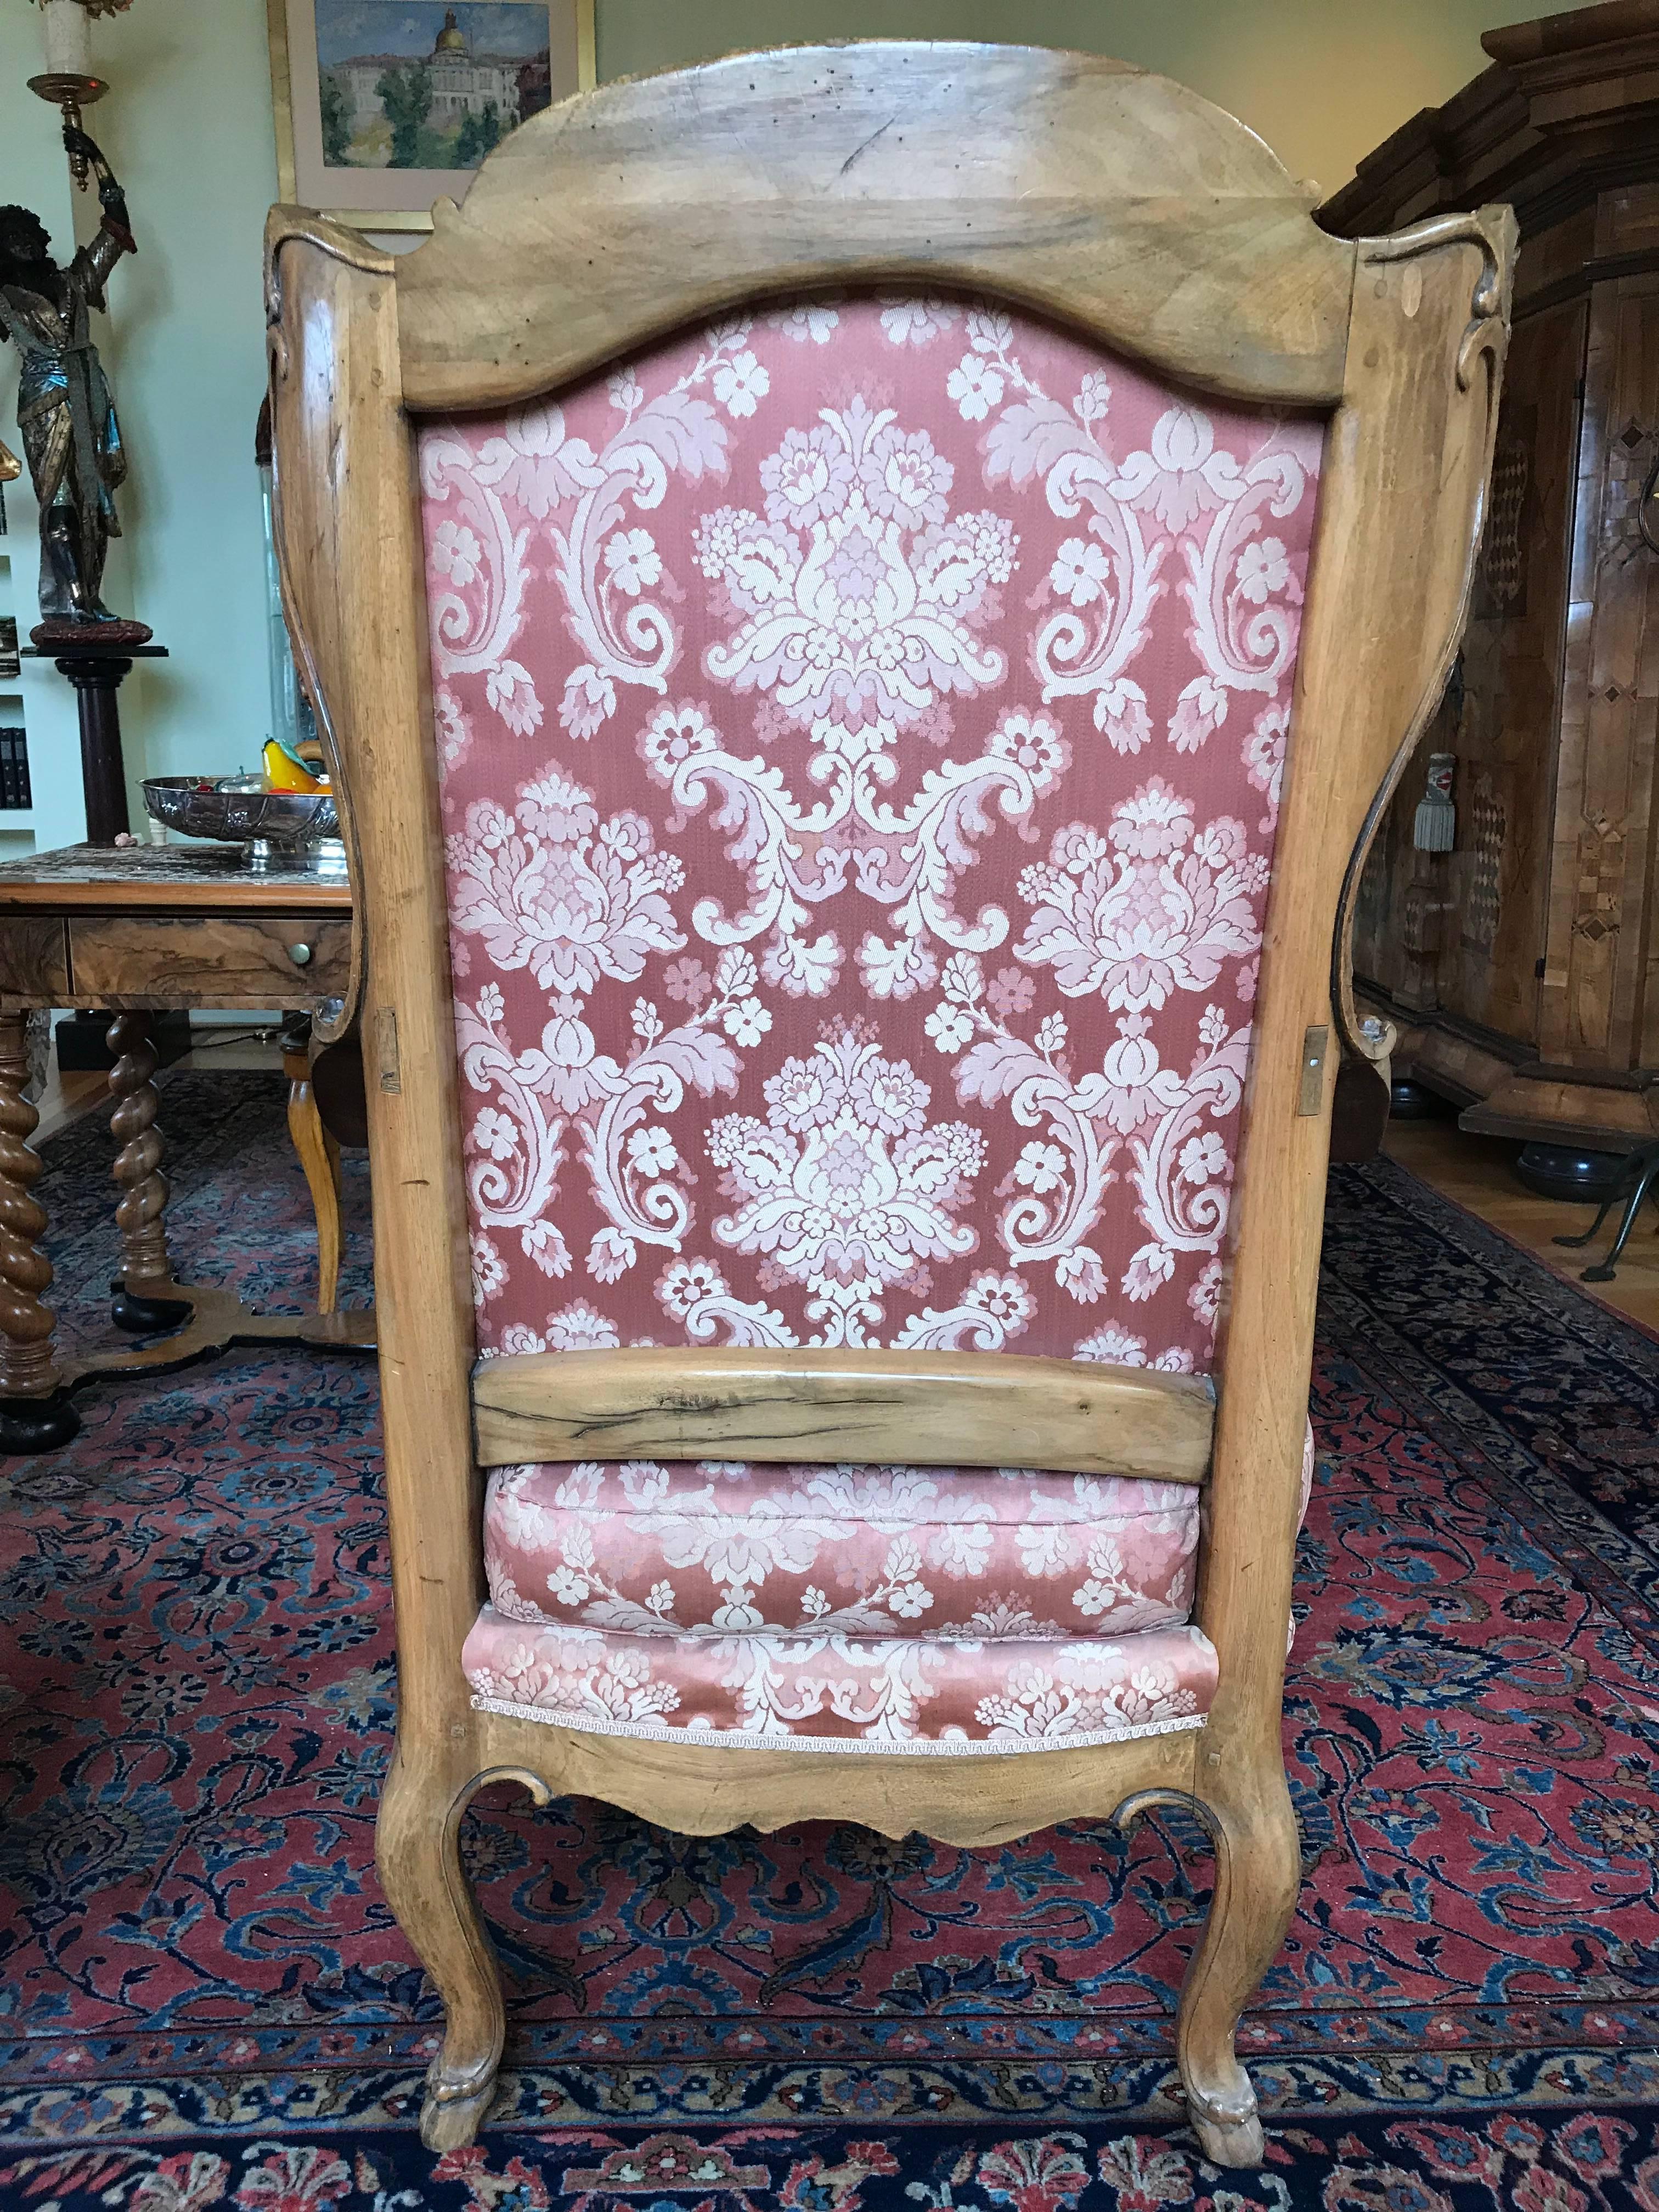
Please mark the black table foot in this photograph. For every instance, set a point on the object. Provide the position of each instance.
(37, 1425)
(146, 1317)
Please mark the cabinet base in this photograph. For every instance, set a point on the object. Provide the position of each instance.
(1503, 1089)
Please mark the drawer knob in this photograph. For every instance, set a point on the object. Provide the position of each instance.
(300, 955)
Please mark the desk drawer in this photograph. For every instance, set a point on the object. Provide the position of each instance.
(33, 958)
(207, 960)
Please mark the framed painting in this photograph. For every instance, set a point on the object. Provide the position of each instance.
(381, 106)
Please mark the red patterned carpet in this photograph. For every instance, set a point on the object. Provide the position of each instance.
(207, 2002)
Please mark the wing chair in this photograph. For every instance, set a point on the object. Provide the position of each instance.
(866, 600)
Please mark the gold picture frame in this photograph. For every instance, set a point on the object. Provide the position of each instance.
(302, 178)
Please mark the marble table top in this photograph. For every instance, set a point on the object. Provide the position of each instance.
(216, 877)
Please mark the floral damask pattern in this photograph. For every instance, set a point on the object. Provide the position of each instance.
(836, 1692)
(709, 1549)
(861, 730)
(862, 727)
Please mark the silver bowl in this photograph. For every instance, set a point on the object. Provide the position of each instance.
(293, 819)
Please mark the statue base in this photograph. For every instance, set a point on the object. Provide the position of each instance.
(94, 657)
(67, 634)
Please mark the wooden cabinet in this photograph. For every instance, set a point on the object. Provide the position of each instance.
(1523, 968)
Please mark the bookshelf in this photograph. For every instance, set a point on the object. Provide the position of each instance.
(17, 823)
(36, 699)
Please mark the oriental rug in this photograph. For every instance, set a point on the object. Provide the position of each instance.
(204, 1998)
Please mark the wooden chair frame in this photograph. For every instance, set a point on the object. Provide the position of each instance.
(1159, 228)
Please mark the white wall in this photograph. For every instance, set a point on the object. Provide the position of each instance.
(1322, 80)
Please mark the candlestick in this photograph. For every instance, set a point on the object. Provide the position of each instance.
(69, 38)
(68, 81)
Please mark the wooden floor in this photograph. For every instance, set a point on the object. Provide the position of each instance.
(66, 1098)
(1477, 1173)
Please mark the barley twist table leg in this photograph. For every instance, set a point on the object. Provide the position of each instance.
(36, 1412)
(147, 1267)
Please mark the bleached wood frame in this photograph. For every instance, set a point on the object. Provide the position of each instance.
(1161, 228)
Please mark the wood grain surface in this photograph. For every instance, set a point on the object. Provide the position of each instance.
(208, 959)
(915, 1409)
(1119, 202)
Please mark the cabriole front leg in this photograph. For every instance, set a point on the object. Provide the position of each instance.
(319, 1155)
(1258, 1872)
(36, 1412)
(417, 1849)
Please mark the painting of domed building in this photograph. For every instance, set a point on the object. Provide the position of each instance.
(420, 84)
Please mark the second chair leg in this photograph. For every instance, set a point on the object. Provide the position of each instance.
(1604, 1273)
(319, 1156)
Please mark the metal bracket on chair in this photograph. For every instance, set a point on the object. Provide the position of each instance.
(1315, 1043)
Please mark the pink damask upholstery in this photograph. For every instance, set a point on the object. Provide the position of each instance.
(861, 730)
(891, 1607)
(707, 1549)
(902, 1693)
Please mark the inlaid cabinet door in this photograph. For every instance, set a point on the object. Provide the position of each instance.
(1599, 1001)
(1463, 932)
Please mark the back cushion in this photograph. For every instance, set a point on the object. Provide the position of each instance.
(861, 728)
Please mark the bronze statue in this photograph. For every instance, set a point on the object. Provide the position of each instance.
(65, 410)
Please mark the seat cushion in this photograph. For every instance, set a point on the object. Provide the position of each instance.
(840, 1608)
(709, 1549)
(839, 1692)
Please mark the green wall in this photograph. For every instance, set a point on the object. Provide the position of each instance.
(188, 125)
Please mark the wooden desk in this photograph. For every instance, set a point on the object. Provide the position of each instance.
(134, 932)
